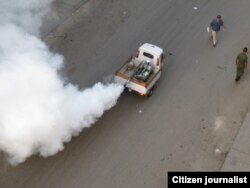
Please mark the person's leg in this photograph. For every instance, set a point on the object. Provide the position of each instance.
(214, 38)
(239, 73)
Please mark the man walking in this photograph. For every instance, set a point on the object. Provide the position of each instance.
(215, 26)
(241, 64)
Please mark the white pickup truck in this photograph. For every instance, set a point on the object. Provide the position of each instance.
(140, 73)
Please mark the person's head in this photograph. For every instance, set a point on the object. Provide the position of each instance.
(245, 50)
(218, 17)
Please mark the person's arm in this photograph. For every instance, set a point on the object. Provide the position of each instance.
(246, 63)
(211, 25)
(222, 25)
(236, 61)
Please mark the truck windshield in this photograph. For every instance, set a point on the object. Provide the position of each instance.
(148, 55)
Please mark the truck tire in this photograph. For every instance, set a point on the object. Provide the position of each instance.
(150, 92)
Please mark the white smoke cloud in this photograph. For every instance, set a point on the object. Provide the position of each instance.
(24, 13)
(38, 111)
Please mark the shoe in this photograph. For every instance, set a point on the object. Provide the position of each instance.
(237, 79)
(214, 45)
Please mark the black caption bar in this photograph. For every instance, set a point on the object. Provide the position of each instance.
(208, 179)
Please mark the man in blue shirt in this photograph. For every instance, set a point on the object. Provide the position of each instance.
(215, 26)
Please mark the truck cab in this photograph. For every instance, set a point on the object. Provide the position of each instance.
(151, 53)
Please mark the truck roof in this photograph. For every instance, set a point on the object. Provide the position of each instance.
(152, 49)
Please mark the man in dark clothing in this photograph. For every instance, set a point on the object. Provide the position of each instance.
(241, 64)
(215, 26)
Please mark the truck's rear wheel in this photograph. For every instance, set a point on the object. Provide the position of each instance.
(150, 92)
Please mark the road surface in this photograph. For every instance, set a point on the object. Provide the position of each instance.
(188, 124)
